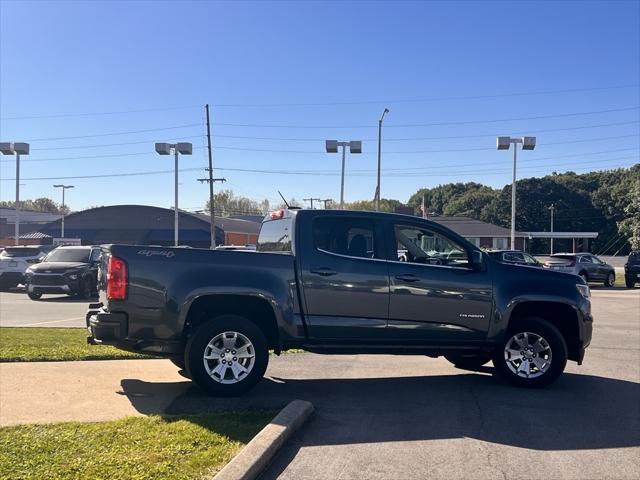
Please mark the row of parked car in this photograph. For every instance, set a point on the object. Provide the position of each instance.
(585, 265)
(72, 270)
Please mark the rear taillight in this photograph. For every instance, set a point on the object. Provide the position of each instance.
(116, 279)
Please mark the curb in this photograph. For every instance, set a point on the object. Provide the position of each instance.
(257, 454)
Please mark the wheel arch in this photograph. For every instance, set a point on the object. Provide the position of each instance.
(255, 307)
(563, 316)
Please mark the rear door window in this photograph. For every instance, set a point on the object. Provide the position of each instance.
(513, 257)
(353, 237)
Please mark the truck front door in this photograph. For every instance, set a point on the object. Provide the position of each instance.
(345, 280)
(435, 294)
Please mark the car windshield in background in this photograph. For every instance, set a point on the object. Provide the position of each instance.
(634, 257)
(19, 252)
(69, 255)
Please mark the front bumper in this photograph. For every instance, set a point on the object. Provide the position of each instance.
(52, 284)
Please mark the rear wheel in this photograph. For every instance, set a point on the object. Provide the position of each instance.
(630, 282)
(611, 280)
(468, 362)
(227, 356)
(533, 355)
(34, 295)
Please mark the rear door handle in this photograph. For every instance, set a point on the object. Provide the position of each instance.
(407, 278)
(324, 271)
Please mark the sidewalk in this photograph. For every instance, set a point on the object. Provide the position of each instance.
(42, 392)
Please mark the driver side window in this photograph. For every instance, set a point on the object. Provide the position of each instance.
(421, 245)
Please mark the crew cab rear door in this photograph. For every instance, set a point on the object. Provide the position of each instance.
(435, 294)
(345, 281)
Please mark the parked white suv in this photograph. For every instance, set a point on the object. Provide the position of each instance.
(14, 261)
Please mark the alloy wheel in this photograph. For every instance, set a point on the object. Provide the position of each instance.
(229, 357)
(528, 355)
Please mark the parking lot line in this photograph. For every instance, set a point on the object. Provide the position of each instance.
(51, 321)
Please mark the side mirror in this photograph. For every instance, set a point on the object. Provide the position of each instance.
(477, 262)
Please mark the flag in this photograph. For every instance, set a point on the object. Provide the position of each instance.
(423, 208)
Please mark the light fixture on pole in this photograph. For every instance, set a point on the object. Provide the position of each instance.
(184, 148)
(552, 209)
(503, 143)
(355, 146)
(63, 187)
(17, 149)
(377, 196)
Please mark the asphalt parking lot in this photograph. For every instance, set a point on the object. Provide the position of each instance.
(395, 417)
(18, 310)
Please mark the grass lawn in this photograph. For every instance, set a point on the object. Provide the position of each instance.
(53, 344)
(28, 344)
(184, 447)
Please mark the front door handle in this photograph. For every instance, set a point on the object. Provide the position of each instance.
(407, 278)
(324, 271)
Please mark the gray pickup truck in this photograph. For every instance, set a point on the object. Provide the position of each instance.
(332, 282)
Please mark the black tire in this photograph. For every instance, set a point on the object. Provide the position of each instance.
(611, 280)
(86, 289)
(178, 361)
(34, 295)
(468, 362)
(197, 345)
(555, 341)
(629, 282)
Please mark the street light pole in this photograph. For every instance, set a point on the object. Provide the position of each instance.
(63, 187)
(165, 149)
(355, 146)
(528, 143)
(377, 196)
(17, 149)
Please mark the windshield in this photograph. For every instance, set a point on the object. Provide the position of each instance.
(19, 252)
(69, 255)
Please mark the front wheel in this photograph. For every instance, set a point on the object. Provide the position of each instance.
(533, 355)
(227, 356)
(611, 280)
(630, 282)
(34, 295)
(468, 362)
(86, 289)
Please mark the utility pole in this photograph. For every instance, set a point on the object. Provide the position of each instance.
(212, 211)
(311, 200)
(377, 195)
(326, 201)
(552, 209)
(211, 181)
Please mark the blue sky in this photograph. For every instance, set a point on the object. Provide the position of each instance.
(291, 74)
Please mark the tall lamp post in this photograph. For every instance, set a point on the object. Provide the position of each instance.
(184, 148)
(63, 187)
(355, 146)
(17, 149)
(377, 199)
(552, 209)
(528, 143)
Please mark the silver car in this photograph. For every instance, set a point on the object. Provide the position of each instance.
(588, 266)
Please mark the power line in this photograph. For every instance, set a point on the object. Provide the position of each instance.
(429, 99)
(278, 172)
(177, 127)
(463, 122)
(361, 102)
(95, 114)
(113, 144)
(448, 137)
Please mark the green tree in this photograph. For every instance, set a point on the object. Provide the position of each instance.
(227, 203)
(630, 225)
(41, 204)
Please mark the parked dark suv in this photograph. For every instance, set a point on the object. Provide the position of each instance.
(632, 269)
(70, 270)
